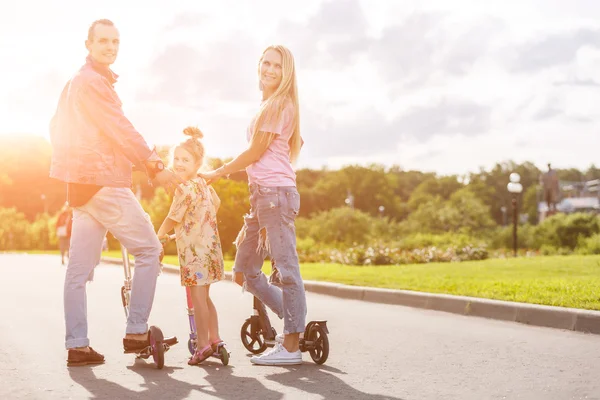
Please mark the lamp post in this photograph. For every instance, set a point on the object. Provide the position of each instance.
(514, 187)
(381, 210)
(349, 200)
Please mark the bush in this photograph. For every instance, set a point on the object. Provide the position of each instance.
(421, 240)
(16, 233)
(344, 226)
(589, 245)
(502, 238)
(562, 230)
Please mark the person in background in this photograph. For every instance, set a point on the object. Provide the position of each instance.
(64, 224)
(551, 187)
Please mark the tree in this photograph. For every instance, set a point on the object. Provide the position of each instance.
(443, 187)
(530, 203)
(463, 212)
(342, 225)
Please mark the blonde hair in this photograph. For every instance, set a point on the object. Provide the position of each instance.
(287, 92)
(193, 145)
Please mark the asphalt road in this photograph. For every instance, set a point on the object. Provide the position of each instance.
(377, 351)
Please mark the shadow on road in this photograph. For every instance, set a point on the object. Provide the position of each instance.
(320, 380)
(220, 382)
(158, 384)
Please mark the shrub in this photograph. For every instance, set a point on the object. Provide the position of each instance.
(562, 230)
(342, 225)
(589, 245)
(421, 240)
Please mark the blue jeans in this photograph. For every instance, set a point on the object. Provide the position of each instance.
(269, 229)
(118, 211)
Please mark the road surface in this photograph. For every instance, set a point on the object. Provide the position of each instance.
(377, 351)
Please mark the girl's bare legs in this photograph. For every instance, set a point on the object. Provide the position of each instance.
(213, 320)
(201, 314)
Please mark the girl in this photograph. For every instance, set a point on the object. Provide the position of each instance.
(274, 144)
(193, 216)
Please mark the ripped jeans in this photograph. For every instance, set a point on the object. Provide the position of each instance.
(269, 229)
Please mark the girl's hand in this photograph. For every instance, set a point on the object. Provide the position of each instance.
(212, 176)
(164, 239)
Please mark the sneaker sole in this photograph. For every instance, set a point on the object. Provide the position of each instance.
(276, 363)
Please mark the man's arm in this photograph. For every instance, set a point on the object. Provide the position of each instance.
(104, 108)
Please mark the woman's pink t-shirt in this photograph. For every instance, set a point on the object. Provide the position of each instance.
(274, 167)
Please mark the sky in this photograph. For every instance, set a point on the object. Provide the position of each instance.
(448, 86)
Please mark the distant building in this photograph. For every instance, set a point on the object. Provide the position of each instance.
(574, 197)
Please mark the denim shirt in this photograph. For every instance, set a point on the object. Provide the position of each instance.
(92, 140)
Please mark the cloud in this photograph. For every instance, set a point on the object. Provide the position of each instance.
(470, 46)
(187, 76)
(330, 37)
(447, 117)
(578, 82)
(554, 50)
(367, 135)
(548, 112)
(39, 96)
(371, 133)
(185, 20)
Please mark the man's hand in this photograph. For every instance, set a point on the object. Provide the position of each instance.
(238, 277)
(168, 179)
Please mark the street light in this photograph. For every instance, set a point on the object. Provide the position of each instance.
(381, 210)
(349, 200)
(514, 187)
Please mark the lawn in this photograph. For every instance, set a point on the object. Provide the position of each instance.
(567, 281)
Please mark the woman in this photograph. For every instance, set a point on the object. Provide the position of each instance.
(274, 144)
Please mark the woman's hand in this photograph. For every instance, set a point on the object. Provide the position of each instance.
(211, 176)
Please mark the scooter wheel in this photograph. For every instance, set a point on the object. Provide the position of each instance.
(224, 356)
(319, 351)
(253, 341)
(158, 350)
(191, 347)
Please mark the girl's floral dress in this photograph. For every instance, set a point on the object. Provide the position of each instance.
(198, 243)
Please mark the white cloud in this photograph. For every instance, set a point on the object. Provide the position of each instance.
(436, 85)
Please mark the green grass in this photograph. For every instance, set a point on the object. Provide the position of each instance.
(567, 281)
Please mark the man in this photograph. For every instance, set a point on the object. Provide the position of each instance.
(550, 184)
(94, 149)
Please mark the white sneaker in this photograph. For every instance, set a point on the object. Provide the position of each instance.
(278, 355)
(279, 337)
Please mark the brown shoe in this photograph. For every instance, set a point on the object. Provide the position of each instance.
(135, 345)
(80, 357)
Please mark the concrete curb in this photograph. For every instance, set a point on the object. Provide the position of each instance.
(573, 319)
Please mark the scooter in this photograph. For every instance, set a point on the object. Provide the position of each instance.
(159, 345)
(257, 333)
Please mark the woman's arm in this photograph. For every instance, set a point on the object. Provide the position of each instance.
(258, 145)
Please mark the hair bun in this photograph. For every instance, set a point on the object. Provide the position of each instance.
(194, 132)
